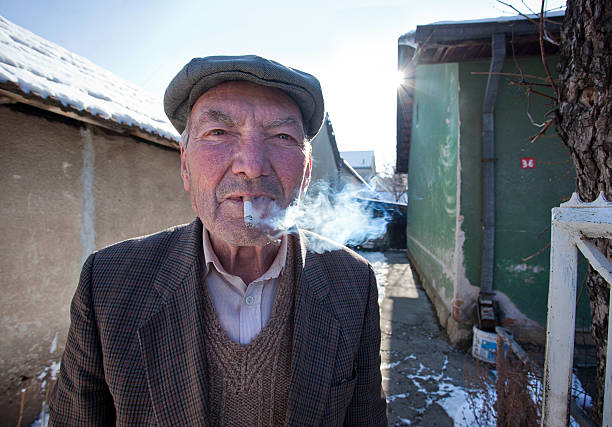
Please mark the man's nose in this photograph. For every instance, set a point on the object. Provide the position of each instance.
(251, 157)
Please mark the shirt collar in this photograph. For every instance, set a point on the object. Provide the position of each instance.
(272, 273)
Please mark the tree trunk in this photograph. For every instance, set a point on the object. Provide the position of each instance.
(585, 126)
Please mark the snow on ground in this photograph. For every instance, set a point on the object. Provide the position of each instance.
(582, 398)
(469, 407)
(464, 405)
(39, 66)
(48, 373)
(381, 268)
(426, 373)
(42, 420)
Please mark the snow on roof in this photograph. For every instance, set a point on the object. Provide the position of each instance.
(359, 159)
(43, 69)
(536, 16)
(409, 37)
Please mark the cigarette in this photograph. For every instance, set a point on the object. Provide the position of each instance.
(247, 203)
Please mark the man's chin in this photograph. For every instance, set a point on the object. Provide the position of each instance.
(252, 238)
(241, 235)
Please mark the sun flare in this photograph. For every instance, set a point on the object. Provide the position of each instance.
(400, 79)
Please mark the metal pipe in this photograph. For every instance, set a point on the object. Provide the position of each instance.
(498, 55)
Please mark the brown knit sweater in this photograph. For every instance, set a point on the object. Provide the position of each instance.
(248, 385)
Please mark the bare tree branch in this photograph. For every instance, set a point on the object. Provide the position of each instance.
(549, 38)
(536, 254)
(533, 122)
(528, 8)
(518, 11)
(542, 131)
(526, 83)
(543, 53)
(528, 76)
(530, 90)
(516, 63)
(550, 21)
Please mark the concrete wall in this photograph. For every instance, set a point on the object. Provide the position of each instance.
(66, 190)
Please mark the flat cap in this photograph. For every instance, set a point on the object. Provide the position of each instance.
(202, 74)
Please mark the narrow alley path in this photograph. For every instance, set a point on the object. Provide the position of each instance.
(424, 377)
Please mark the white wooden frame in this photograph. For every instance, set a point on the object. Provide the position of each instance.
(573, 223)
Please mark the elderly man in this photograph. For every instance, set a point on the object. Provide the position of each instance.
(228, 320)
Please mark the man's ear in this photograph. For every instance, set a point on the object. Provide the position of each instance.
(184, 169)
(306, 180)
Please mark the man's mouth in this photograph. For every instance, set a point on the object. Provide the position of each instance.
(259, 201)
(254, 207)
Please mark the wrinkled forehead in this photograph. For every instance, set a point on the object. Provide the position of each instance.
(238, 99)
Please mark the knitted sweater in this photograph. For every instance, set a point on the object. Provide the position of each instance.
(248, 385)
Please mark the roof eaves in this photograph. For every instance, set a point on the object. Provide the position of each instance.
(350, 170)
(449, 31)
(332, 140)
(11, 92)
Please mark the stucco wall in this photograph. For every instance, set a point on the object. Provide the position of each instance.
(432, 189)
(323, 163)
(524, 197)
(66, 190)
(366, 173)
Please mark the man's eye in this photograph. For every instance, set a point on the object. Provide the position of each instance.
(217, 132)
(284, 136)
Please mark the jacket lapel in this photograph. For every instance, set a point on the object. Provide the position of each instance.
(315, 338)
(172, 340)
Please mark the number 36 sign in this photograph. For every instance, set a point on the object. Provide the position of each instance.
(528, 163)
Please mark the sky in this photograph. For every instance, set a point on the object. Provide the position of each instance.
(350, 45)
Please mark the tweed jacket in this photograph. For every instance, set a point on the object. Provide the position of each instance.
(135, 349)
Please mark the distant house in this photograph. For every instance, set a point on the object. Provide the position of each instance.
(480, 192)
(392, 188)
(328, 168)
(362, 161)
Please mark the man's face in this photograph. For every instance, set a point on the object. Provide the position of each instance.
(244, 140)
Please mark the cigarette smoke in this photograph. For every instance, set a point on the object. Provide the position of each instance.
(339, 216)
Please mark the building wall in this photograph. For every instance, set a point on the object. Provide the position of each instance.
(350, 178)
(66, 191)
(323, 162)
(432, 189)
(366, 173)
(445, 193)
(524, 197)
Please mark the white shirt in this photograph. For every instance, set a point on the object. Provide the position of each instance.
(242, 310)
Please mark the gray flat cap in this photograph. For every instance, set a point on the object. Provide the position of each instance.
(201, 74)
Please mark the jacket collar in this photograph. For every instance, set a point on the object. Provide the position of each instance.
(172, 339)
(184, 257)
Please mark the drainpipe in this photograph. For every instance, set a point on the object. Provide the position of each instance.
(486, 312)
